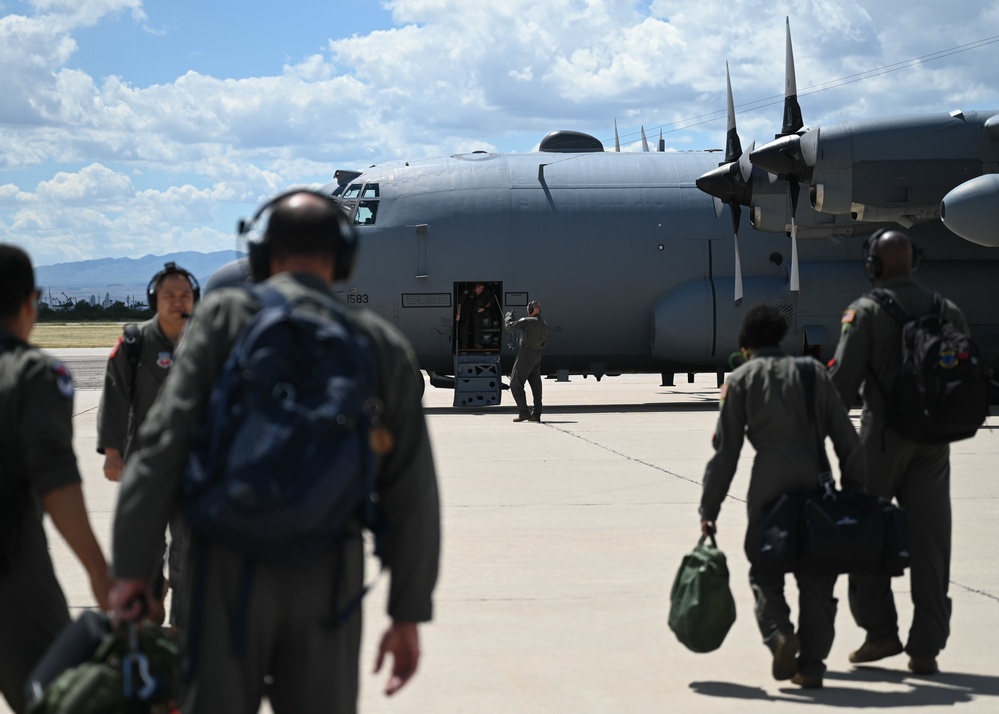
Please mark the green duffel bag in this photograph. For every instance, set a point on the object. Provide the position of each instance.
(702, 608)
(134, 669)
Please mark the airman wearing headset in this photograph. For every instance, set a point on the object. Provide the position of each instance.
(527, 367)
(308, 244)
(137, 367)
(918, 475)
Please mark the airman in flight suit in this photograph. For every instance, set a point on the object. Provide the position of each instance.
(764, 400)
(38, 475)
(527, 367)
(288, 631)
(137, 367)
(917, 475)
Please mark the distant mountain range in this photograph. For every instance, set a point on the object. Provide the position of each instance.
(122, 277)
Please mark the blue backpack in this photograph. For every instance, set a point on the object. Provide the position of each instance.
(283, 463)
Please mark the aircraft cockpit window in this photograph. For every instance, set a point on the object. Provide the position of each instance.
(370, 191)
(366, 212)
(353, 191)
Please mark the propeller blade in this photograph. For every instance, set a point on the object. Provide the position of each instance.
(792, 192)
(662, 144)
(718, 206)
(645, 142)
(792, 110)
(746, 163)
(736, 215)
(795, 278)
(617, 140)
(733, 147)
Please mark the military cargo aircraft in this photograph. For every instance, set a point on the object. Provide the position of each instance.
(635, 263)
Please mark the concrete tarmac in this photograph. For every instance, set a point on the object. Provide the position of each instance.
(561, 541)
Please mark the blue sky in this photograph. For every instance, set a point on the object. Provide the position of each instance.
(132, 127)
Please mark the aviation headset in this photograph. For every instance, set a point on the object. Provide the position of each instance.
(344, 248)
(533, 308)
(170, 268)
(872, 262)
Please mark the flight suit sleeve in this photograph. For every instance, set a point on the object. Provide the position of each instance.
(729, 435)
(514, 325)
(839, 428)
(407, 489)
(151, 482)
(853, 353)
(47, 426)
(116, 401)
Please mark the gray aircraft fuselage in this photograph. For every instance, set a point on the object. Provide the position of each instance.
(628, 259)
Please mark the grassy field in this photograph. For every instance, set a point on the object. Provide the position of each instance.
(76, 334)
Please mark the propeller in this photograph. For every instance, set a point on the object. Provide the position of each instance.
(645, 142)
(617, 140)
(730, 183)
(783, 156)
(662, 144)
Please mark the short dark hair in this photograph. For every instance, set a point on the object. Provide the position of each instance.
(312, 229)
(17, 280)
(763, 325)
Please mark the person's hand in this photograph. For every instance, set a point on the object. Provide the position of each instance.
(708, 527)
(113, 464)
(131, 600)
(402, 641)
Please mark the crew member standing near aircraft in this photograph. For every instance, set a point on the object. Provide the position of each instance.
(38, 474)
(765, 400)
(282, 615)
(527, 368)
(136, 369)
(918, 475)
(472, 310)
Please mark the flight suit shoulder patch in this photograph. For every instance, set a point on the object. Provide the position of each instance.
(64, 380)
(849, 315)
(164, 360)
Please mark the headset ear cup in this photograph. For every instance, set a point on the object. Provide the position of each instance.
(346, 249)
(260, 260)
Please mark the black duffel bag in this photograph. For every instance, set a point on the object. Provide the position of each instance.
(831, 531)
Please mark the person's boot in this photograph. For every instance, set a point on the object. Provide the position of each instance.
(875, 650)
(523, 416)
(535, 415)
(923, 665)
(785, 664)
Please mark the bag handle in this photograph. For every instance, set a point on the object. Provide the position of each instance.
(806, 369)
(710, 534)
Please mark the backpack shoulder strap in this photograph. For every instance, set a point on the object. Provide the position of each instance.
(939, 307)
(132, 341)
(885, 300)
(806, 369)
(268, 296)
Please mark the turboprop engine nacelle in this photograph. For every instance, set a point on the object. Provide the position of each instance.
(971, 210)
